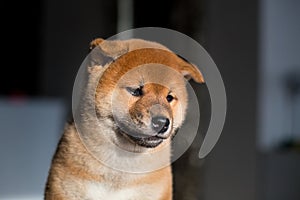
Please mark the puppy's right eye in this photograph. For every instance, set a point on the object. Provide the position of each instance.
(135, 91)
(169, 98)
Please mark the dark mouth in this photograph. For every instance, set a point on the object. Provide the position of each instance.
(149, 142)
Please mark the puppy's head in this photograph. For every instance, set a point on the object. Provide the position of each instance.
(143, 91)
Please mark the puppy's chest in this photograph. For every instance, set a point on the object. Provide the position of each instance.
(98, 191)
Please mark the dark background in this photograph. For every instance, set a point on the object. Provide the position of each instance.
(46, 41)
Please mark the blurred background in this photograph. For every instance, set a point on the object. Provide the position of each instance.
(255, 45)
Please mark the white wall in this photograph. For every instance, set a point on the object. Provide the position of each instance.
(279, 55)
(29, 132)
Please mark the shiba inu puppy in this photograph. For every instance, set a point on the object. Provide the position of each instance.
(138, 91)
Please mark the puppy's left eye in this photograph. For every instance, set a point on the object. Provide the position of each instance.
(170, 98)
(135, 91)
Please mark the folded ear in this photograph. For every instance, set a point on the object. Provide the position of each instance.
(97, 57)
(111, 48)
(190, 71)
(95, 43)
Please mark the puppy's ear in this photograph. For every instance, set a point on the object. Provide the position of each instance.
(97, 56)
(111, 48)
(95, 43)
(190, 71)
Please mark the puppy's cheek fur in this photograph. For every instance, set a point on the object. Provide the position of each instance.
(179, 116)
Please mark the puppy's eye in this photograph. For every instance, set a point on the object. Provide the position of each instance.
(135, 91)
(170, 98)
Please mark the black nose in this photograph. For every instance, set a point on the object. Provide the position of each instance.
(160, 124)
